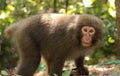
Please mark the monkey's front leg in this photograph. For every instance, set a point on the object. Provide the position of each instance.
(80, 70)
(55, 67)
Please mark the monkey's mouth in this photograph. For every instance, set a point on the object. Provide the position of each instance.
(86, 44)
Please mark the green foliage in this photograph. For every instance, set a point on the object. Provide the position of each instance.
(14, 10)
(41, 67)
(3, 73)
(116, 62)
(66, 73)
(2, 4)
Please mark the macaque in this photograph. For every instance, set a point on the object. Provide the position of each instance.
(56, 38)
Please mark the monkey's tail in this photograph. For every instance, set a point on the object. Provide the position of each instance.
(10, 31)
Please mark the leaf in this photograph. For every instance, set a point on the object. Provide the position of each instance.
(117, 62)
(66, 73)
(3, 72)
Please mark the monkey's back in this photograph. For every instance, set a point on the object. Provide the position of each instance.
(58, 37)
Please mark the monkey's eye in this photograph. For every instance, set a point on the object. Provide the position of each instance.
(85, 30)
(91, 31)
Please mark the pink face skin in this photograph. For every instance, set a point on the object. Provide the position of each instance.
(88, 33)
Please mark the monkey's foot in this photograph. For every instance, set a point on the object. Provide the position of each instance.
(79, 72)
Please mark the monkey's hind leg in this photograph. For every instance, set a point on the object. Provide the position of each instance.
(29, 56)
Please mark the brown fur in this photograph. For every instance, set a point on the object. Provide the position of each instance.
(56, 37)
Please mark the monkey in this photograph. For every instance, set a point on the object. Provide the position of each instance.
(56, 38)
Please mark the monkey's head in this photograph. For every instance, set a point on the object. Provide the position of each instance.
(89, 30)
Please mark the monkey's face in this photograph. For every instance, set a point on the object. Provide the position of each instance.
(87, 35)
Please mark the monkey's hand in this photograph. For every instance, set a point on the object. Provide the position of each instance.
(79, 72)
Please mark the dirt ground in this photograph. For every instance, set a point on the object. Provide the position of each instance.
(95, 70)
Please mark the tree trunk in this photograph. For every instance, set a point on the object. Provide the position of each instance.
(117, 50)
(67, 2)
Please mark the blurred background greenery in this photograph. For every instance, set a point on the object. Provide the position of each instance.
(14, 10)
